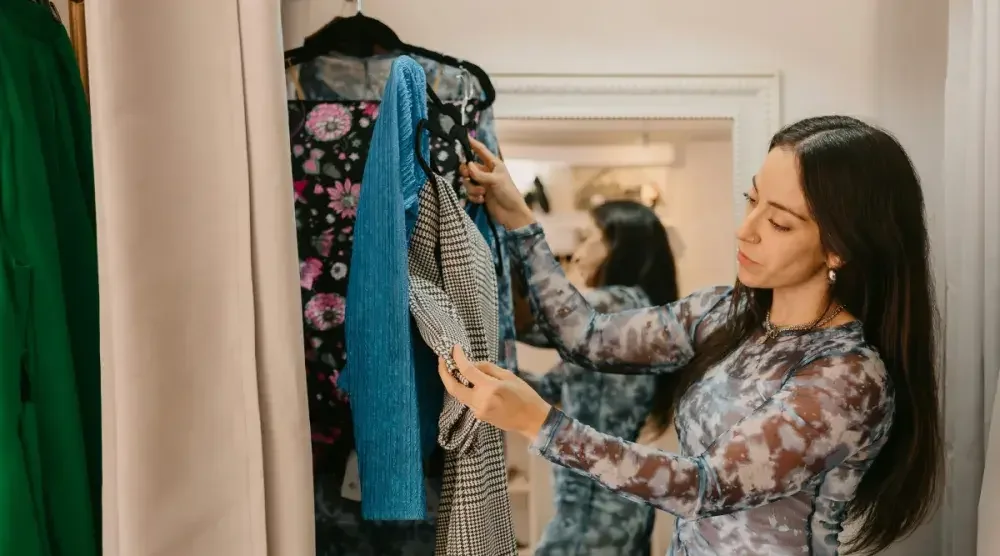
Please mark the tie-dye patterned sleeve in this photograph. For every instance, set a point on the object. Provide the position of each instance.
(832, 409)
(638, 341)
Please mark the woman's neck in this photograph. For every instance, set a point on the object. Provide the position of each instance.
(801, 304)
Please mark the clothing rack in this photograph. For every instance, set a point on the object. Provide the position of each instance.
(78, 36)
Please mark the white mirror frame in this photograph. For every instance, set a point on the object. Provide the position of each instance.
(752, 102)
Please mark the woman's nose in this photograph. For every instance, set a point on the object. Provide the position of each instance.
(747, 232)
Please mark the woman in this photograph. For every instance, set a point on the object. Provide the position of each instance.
(626, 257)
(803, 397)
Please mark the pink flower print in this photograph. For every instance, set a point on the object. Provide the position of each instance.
(324, 242)
(297, 150)
(344, 198)
(309, 270)
(343, 156)
(329, 122)
(325, 311)
(370, 110)
(311, 166)
(300, 187)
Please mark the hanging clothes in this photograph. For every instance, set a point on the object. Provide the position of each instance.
(379, 343)
(335, 77)
(49, 363)
(453, 301)
(333, 104)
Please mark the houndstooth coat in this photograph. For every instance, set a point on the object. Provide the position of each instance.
(453, 299)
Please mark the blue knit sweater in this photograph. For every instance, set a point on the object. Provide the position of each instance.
(394, 412)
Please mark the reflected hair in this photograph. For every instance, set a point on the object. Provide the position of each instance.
(639, 251)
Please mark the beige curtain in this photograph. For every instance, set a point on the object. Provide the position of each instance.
(989, 500)
(972, 261)
(206, 447)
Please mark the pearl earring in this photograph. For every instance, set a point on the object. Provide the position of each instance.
(832, 276)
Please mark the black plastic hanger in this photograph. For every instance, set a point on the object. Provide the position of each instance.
(357, 35)
(361, 36)
(459, 133)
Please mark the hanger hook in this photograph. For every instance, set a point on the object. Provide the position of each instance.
(357, 5)
(468, 89)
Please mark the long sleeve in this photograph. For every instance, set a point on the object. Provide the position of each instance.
(657, 339)
(603, 300)
(831, 409)
(379, 376)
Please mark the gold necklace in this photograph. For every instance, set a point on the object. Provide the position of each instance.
(771, 331)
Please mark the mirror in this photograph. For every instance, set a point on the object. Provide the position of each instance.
(681, 170)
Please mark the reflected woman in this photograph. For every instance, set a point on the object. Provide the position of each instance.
(625, 258)
(803, 397)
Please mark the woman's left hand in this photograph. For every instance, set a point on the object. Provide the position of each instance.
(496, 396)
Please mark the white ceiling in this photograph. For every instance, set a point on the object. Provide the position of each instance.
(610, 131)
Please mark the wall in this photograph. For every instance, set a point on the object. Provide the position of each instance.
(704, 239)
(823, 49)
(882, 60)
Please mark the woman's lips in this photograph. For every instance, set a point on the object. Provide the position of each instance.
(743, 259)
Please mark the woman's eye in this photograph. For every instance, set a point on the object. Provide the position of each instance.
(750, 200)
(778, 227)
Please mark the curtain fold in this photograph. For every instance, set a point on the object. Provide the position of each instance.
(989, 500)
(972, 259)
(206, 437)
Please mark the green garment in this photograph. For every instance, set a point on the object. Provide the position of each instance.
(49, 344)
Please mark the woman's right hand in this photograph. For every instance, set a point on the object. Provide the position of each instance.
(495, 187)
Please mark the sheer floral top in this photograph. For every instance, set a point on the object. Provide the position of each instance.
(774, 439)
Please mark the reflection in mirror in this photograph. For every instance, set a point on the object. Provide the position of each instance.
(607, 191)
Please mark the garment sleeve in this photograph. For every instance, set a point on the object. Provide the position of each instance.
(647, 340)
(829, 411)
(602, 300)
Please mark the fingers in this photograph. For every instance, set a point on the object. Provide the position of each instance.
(483, 153)
(458, 390)
(468, 370)
(476, 193)
(480, 174)
(493, 371)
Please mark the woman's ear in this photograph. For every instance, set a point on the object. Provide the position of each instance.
(834, 262)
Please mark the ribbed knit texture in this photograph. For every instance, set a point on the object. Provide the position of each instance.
(379, 375)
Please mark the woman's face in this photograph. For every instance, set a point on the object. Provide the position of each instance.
(779, 242)
(591, 252)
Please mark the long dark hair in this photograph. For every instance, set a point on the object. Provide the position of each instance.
(638, 251)
(864, 193)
